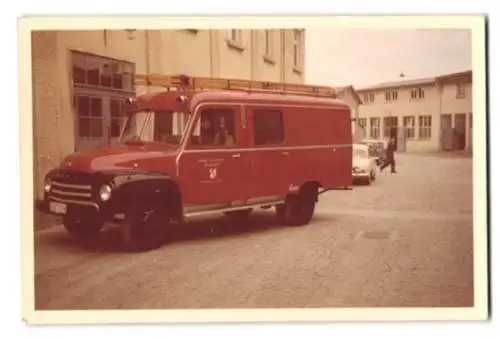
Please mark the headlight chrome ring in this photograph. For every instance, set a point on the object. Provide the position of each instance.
(47, 185)
(105, 192)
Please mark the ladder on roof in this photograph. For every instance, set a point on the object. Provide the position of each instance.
(183, 82)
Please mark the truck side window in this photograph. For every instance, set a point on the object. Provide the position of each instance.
(268, 127)
(215, 127)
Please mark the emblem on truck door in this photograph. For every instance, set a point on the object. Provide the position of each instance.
(212, 173)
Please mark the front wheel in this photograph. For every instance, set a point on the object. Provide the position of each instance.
(82, 227)
(145, 230)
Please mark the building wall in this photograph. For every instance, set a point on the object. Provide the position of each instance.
(439, 98)
(452, 104)
(349, 98)
(196, 53)
(405, 105)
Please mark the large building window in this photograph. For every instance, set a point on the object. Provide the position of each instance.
(375, 128)
(368, 98)
(98, 72)
(417, 93)
(424, 127)
(460, 91)
(391, 95)
(362, 123)
(389, 124)
(100, 87)
(409, 124)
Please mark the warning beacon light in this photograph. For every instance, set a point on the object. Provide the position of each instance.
(184, 80)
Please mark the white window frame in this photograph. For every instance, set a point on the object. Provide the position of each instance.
(297, 44)
(425, 127)
(375, 127)
(460, 91)
(409, 125)
(235, 39)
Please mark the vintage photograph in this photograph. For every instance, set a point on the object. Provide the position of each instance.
(297, 167)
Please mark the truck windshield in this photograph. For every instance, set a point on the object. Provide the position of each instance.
(155, 126)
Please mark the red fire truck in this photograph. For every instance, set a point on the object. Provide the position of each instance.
(202, 146)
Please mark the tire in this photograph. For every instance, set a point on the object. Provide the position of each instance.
(298, 209)
(82, 227)
(368, 181)
(239, 215)
(145, 230)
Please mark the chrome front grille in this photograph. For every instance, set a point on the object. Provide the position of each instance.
(75, 188)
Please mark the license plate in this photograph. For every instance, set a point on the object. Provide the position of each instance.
(57, 207)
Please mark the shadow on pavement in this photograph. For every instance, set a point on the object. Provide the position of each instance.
(109, 239)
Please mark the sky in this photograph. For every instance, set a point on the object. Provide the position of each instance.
(364, 57)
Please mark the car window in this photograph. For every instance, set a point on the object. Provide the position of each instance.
(215, 127)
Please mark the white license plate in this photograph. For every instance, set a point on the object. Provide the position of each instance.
(57, 207)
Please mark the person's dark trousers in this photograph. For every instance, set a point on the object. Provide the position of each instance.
(390, 161)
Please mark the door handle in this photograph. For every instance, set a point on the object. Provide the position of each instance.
(236, 155)
(285, 153)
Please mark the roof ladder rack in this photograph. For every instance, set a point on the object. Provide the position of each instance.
(184, 82)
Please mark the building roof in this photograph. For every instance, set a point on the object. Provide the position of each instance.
(465, 76)
(349, 88)
(448, 78)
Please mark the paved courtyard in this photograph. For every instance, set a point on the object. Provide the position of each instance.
(404, 241)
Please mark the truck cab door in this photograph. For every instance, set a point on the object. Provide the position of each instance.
(213, 168)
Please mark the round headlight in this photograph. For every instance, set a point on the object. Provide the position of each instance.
(48, 185)
(105, 193)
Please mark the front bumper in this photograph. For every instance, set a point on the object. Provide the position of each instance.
(360, 175)
(59, 207)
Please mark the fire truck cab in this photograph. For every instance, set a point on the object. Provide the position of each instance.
(207, 146)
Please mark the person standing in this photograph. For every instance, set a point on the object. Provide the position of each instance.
(389, 159)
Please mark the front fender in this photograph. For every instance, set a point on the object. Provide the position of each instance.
(136, 191)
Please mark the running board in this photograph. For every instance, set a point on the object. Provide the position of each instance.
(231, 209)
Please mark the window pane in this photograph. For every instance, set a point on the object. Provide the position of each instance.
(83, 127)
(115, 108)
(83, 106)
(216, 127)
(268, 127)
(96, 107)
(106, 80)
(93, 65)
(79, 73)
(117, 81)
(93, 77)
(128, 77)
(96, 127)
(116, 125)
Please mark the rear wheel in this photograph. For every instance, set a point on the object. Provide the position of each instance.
(298, 209)
(82, 226)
